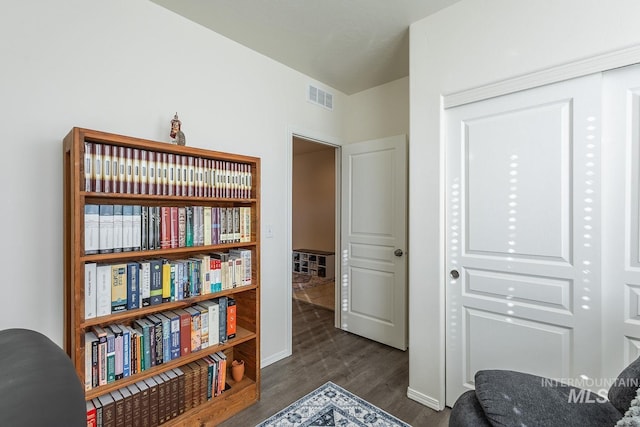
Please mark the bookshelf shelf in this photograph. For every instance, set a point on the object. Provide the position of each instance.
(217, 175)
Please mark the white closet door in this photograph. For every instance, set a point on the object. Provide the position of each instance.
(621, 212)
(523, 234)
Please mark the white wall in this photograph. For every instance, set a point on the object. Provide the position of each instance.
(126, 66)
(378, 112)
(470, 44)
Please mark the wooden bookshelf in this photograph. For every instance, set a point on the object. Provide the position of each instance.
(78, 192)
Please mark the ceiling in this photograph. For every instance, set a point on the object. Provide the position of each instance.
(349, 45)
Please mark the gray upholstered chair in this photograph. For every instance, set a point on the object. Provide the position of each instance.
(38, 383)
(508, 398)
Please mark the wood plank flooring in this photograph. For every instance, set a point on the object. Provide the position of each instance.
(321, 353)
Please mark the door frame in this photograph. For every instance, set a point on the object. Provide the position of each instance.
(293, 131)
(595, 64)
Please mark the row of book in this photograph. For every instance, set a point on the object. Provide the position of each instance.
(118, 351)
(115, 169)
(161, 398)
(122, 228)
(112, 288)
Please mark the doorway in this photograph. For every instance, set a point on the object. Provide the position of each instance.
(314, 224)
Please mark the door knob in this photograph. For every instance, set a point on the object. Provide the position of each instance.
(398, 252)
(454, 274)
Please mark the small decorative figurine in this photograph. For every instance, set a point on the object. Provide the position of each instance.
(177, 136)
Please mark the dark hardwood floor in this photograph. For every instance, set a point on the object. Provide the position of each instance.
(321, 353)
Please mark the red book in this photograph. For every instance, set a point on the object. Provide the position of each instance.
(128, 170)
(185, 331)
(144, 172)
(171, 175)
(231, 318)
(91, 415)
(165, 227)
(174, 226)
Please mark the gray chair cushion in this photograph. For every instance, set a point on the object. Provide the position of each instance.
(467, 412)
(38, 383)
(624, 389)
(511, 398)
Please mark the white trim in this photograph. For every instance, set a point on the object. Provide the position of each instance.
(579, 68)
(293, 131)
(275, 357)
(427, 401)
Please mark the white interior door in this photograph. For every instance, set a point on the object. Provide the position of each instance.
(523, 234)
(373, 240)
(621, 218)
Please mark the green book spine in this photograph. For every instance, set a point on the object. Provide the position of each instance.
(189, 226)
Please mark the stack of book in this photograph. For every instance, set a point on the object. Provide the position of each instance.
(118, 351)
(162, 397)
(115, 169)
(111, 288)
(122, 228)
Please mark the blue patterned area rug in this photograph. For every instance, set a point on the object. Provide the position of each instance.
(331, 405)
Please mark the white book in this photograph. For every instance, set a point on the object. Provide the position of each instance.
(127, 227)
(117, 228)
(214, 321)
(136, 227)
(106, 229)
(245, 256)
(91, 229)
(90, 301)
(103, 290)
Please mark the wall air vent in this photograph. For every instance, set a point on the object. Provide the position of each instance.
(320, 97)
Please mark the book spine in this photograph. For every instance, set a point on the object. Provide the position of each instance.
(118, 287)
(165, 227)
(90, 301)
(120, 174)
(151, 173)
(106, 168)
(117, 228)
(126, 351)
(166, 281)
(156, 282)
(128, 170)
(127, 228)
(97, 167)
(103, 290)
(174, 229)
(88, 166)
(231, 317)
(136, 234)
(182, 227)
(106, 229)
(144, 228)
(222, 323)
(189, 226)
(145, 283)
(133, 285)
(111, 357)
(144, 165)
(91, 229)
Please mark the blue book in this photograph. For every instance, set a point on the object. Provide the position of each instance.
(174, 328)
(156, 281)
(126, 350)
(133, 285)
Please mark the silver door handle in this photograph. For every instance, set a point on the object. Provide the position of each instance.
(398, 252)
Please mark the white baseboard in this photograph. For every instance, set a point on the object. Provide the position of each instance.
(274, 358)
(427, 401)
